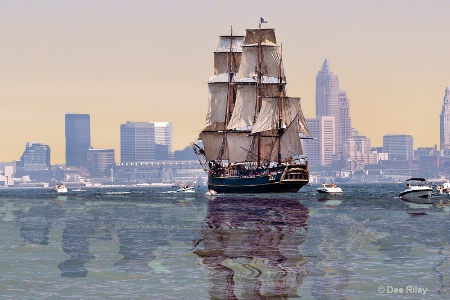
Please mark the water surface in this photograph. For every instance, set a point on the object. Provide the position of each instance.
(148, 244)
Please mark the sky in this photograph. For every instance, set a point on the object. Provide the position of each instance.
(150, 60)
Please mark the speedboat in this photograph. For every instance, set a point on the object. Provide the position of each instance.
(329, 188)
(416, 189)
(186, 189)
(60, 188)
(444, 189)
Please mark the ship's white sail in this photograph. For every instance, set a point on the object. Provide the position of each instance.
(268, 117)
(239, 146)
(265, 36)
(290, 142)
(303, 128)
(269, 57)
(228, 58)
(217, 108)
(213, 143)
(245, 108)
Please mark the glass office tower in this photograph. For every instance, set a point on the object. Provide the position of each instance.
(78, 139)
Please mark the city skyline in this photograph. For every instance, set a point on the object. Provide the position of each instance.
(150, 62)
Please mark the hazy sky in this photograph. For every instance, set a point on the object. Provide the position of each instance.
(150, 61)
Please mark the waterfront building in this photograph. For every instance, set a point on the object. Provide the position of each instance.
(159, 171)
(137, 142)
(445, 121)
(399, 146)
(78, 139)
(100, 162)
(321, 147)
(35, 162)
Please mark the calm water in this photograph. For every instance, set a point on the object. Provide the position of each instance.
(148, 244)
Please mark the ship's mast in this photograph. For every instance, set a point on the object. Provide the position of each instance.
(259, 91)
(229, 106)
(280, 104)
(230, 78)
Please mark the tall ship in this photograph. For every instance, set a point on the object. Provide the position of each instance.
(251, 142)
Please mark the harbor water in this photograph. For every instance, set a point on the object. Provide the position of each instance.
(150, 243)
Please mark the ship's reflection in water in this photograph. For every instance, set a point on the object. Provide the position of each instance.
(250, 248)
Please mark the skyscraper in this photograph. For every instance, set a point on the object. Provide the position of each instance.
(327, 99)
(445, 121)
(137, 142)
(330, 101)
(344, 115)
(78, 139)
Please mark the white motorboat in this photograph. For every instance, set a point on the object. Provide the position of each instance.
(189, 189)
(60, 188)
(444, 189)
(329, 188)
(415, 189)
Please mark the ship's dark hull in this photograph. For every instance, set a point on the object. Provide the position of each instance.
(289, 180)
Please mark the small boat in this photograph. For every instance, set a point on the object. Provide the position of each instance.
(211, 193)
(329, 188)
(444, 189)
(189, 189)
(60, 188)
(416, 188)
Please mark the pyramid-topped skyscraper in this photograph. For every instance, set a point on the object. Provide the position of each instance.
(332, 102)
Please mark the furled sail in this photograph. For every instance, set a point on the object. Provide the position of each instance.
(244, 110)
(269, 113)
